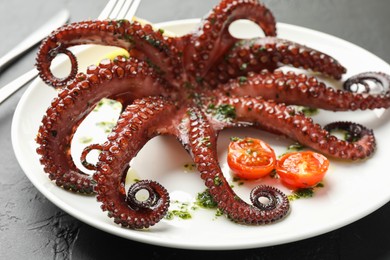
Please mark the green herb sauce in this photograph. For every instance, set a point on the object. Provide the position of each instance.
(107, 102)
(204, 141)
(242, 80)
(189, 166)
(238, 180)
(219, 213)
(205, 200)
(235, 138)
(295, 147)
(217, 181)
(106, 126)
(224, 112)
(244, 66)
(304, 192)
(307, 111)
(85, 139)
(181, 212)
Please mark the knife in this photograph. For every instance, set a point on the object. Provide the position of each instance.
(55, 22)
(10, 88)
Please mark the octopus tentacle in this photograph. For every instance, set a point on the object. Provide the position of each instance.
(354, 131)
(85, 152)
(213, 38)
(155, 192)
(121, 33)
(192, 87)
(273, 195)
(299, 89)
(379, 79)
(202, 147)
(123, 80)
(280, 119)
(139, 123)
(270, 53)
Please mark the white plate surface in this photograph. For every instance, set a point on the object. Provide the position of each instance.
(352, 189)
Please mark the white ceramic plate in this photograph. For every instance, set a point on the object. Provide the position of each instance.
(352, 189)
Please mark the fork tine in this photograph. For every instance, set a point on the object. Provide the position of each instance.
(107, 10)
(118, 7)
(132, 10)
(125, 8)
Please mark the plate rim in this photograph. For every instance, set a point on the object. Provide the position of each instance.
(142, 236)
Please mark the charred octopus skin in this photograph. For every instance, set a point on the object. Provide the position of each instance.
(192, 87)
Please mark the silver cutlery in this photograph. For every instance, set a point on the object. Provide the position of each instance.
(56, 21)
(115, 9)
(10, 88)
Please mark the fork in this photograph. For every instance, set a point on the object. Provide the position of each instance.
(114, 9)
(119, 9)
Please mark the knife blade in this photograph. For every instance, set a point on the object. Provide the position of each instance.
(10, 88)
(56, 21)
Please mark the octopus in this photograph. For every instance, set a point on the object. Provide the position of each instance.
(192, 87)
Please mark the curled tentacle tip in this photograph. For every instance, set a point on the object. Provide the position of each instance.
(84, 154)
(272, 200)
(263, 199)
(156, 195)
(368, 82)
(46, 74)
(190, 72)
(354, 131)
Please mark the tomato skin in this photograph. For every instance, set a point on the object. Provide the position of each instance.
(302, 169)
(251, 158)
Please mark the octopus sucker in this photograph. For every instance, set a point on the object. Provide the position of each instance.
(69, 109)
(137, 39)
(279, 119)
(86, 151)
(193, 87)
(114, 161)
(361, 137)
(377, 79)
(298, 89)
(213, 39)
(202, 148)
(270, 53)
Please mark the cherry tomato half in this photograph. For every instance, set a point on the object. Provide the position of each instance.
(302, 169)
(250, 158)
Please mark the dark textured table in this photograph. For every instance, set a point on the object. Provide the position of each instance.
(31, 227)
